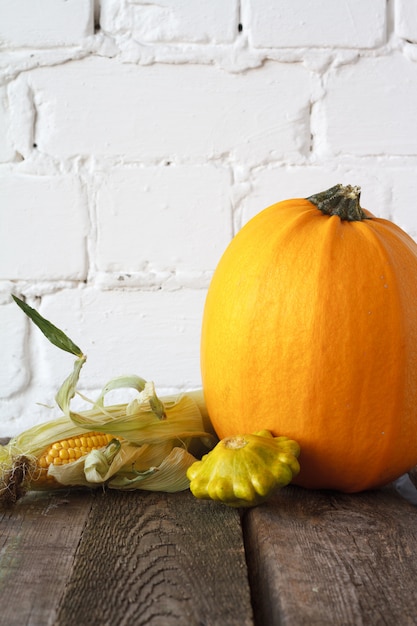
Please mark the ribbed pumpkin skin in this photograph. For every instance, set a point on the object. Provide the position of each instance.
(310, 331)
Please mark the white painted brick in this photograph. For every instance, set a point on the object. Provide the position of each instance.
(163, 218)
(101, 107)
(115, 16)
(370, 107)
(14, 375)
(7, 152)
(406, 19)
(153, 334)
(21, 116)
(177, 21)
(322, 23)
(45, 23)
(172, 21)
(46, 224)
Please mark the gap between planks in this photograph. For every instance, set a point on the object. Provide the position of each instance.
(321, 558)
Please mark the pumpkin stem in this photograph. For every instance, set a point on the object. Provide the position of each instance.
(342, 201)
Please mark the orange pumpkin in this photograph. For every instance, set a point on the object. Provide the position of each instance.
(310, 331)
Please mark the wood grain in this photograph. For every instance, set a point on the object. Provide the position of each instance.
(38, 541)
(318, 558)
(158, 559)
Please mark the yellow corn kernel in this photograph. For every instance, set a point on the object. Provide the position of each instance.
(63, 454)
(43, 462)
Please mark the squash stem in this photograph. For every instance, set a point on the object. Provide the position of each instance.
(235, 443)
(342, 201)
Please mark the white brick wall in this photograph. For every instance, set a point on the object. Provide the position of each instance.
(137, 137)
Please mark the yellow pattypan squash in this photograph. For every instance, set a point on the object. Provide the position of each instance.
(244, 470)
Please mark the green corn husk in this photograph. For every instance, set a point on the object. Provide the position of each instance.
(152, 436)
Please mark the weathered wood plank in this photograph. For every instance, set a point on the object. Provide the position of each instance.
(324, 558)
(158, 559)
(38, 540)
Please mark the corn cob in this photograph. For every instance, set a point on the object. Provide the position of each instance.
(31, 469)
(66, 451)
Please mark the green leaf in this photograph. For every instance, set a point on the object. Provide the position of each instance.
(51, 332)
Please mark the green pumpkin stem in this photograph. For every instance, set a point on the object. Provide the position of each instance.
(342, 201)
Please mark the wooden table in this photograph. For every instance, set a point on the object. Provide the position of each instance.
(133, 558)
